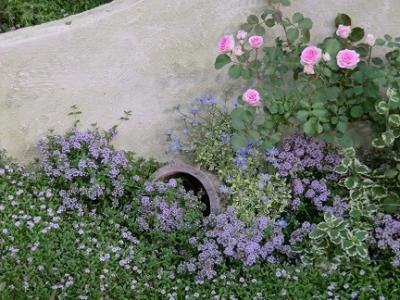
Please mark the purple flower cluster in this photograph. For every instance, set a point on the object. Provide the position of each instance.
(318, 192)
(311, 167)
(301, 153)
(387, 233)
(228, 237)
(158, 212)
(167, 216)
(83, 164)
(300, 233)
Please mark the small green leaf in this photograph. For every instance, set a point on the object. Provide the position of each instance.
(270, 22)
(378, 143)
(238, 124)
(234, 71)
(332, 46)
(316, 234)
(259, 119)
(340, 169)
(388, 137)
(292, 34)
(377, 61)
(356, 194)
(342, 126)
(342, 19)
(391, 173)
(362, 251)
(382, 107)
(361, 168)
(302, 115)
(380, 42)
(394, 120)
(323, 226)
(306, 23)
(306, 35)
(378, 192)
(357, 111)
(254, 135)
(297, 17)
(259, 30)
(246, 73)
(349, 152)
(357, 34)
(387, 37)
(222, 60)
(319, 112)
(246, 27)
(252, 19)
(391, 204)
(361, 235)
(351, 182)
(346, 244)
(333, 234)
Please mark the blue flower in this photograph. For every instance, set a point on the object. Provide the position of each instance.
(264, 177)
(224, 189)
(273, 151)
(281, 222)
(225, 138)
(175, 145)
(241, 161)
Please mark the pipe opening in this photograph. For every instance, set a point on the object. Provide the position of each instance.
(191, 183)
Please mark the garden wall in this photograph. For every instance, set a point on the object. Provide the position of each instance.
(141, 55)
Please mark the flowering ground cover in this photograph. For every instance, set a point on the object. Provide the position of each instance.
(308, 214)
(152, 243)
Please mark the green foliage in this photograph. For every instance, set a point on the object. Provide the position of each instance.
(15, 14)
(322, 104)
(209, 131)
(369, 190)
(76, 254)
(334, 236)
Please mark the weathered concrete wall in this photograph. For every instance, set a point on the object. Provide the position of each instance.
(140, 55)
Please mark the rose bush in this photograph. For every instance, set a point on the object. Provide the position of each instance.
(302, 86)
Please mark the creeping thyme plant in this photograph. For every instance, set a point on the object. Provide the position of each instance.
(308, 214)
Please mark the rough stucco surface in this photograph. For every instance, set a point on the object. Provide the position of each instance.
(145, 56)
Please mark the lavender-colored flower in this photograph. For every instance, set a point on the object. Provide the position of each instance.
(172, 182)
(224, 189)
(227, 236)
(78, 158)
(175, 145)
(387, 233)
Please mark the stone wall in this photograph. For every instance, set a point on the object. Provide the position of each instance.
(141, 55)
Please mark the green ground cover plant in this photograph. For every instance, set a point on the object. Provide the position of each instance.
(15, 14)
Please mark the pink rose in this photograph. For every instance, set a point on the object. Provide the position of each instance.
(347, 59)
(343, 31)
(241, 35)
(251, 97)
(226, 43)
(238, 51)
(309, 69)
(370, 39)
(256, 41)
(310, 55)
